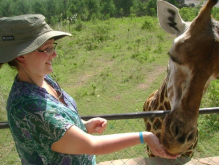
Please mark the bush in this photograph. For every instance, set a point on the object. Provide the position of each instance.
(148, 24)
(78, 25)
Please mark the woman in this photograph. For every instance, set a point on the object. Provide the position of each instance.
(43, 118)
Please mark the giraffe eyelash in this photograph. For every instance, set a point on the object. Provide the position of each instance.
(174, 59)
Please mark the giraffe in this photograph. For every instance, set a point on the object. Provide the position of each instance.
(193, 64)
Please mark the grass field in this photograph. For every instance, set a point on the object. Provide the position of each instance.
(111, 67)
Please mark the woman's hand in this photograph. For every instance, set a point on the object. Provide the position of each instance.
(156, 148)
(95, 125)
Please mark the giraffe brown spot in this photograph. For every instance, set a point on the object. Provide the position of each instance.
(161, 108)
(157, 124)
(158, 135)
(167, 105)
(149, 152)
(148, 127)
(151, 120)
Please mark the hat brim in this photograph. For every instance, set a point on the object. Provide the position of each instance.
(10, 52)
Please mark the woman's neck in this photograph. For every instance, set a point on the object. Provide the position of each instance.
(39, 81)
(27, 77)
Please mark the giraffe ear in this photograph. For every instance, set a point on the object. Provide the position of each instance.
(170, 19)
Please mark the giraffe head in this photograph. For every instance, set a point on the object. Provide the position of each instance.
(193, 64)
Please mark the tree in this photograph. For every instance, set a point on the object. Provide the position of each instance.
(80, 8)
(108, 7)
(174, 2)
(121, 12)
(21, 7)
(51, 7)
(5, 8)
(151, 7)
(39, 7)
(93, 7)
(125, 5)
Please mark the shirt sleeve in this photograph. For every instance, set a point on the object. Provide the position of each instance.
(45, 122)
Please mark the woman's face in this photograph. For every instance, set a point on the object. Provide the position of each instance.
(40, 63)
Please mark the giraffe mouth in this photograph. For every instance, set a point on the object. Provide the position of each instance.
(173, 154)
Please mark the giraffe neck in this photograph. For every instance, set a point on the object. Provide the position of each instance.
(159, 99)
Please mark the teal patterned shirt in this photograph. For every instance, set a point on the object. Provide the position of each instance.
(37, 120)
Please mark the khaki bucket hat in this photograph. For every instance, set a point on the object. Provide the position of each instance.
(23, 34)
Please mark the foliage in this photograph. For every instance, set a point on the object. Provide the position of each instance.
(151, 8)
(212, 95)
(174, 2)
(188, 14)
(149, 24)
(73, 10)
(215, 13)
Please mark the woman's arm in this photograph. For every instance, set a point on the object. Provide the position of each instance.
(76, 141)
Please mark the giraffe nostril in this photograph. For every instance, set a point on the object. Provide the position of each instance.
(190, 137)
(176, 130)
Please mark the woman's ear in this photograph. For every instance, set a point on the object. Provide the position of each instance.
(20, 59)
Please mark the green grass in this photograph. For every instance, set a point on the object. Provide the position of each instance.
(115, 68)
(8, 153)
(111, 67)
